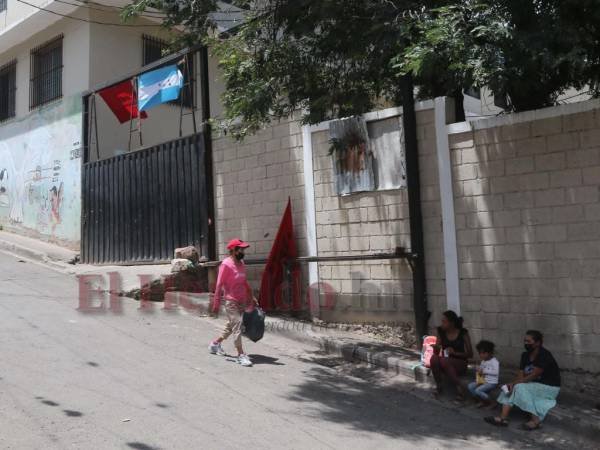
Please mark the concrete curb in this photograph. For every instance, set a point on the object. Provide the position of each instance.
(32, 255)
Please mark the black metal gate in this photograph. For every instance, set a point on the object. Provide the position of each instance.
(139, 207)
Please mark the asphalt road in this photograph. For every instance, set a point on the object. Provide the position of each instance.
(146, 381)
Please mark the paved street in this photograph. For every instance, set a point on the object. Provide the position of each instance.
(146, 381)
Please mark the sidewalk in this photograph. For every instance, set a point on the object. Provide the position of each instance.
(62, 260)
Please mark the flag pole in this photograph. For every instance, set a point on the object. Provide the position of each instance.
(139, 117)
(191, 83)
(94, 112)
(181, 101)
(133, 84)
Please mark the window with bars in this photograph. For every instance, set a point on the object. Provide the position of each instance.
(46, 73)
(2, 5)
(8, 87)
(154, 49)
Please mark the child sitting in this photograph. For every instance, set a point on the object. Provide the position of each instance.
(487, 374)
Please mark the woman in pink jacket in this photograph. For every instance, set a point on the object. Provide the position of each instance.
(233, 286)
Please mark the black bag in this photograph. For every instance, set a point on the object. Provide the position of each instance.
(254, 324)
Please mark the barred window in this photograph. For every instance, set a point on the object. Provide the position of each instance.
(2, 5)
(46, 73)
(154, 49)
(8, 87)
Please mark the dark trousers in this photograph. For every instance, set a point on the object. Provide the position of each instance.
(452, 368)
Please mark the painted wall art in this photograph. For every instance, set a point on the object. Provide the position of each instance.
(40, 172)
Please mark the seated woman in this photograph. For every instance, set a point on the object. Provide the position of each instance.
(536, 387)
(451, 352)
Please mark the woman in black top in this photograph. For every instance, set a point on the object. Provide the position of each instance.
(536, 387)
(451, 352)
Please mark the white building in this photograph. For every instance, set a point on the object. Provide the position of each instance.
(51, 53)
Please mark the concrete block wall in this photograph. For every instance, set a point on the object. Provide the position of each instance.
(367, 223)
(253, 180)
(527, 203)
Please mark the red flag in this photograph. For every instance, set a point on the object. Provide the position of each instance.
(282, 255)
(118, 99)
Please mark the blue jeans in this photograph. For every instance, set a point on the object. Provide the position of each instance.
(482, 390)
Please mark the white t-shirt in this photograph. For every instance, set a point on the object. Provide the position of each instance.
(491, 370)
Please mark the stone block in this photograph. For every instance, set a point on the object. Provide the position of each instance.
(550, 233)
(566, 178)
(591, 175)
(568, 214)
(188, 253)
(590, 138)
(519, 234)
(583, 231)
(551, 161)
(500, 185)
(483, 287)
(490, 236)
(583, 194)
(550, 197)
(572, 287)
(583, 158)
(511, 252)
(564, 141)
(538, 252)
(536, 216)
(506, 218)
(519, 165)
(534, 146)
(546, 127)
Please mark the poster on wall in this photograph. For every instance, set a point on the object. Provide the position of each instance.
(352, 156)
(387, 143)
(40, 172)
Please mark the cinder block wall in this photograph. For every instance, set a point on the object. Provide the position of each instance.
(253, 180)
(527, 199)
(375, 222)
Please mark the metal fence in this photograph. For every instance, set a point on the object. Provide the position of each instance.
(139, 207)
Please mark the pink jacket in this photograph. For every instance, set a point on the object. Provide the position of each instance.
(232, 283)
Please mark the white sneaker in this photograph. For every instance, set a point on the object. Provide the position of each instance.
(216, 349)
(244, 360)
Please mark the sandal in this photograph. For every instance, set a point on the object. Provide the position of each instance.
(496, 421)
(531, 425)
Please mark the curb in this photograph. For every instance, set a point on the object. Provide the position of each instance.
(21, 251)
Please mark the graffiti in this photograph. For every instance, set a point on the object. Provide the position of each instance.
(4, 200)
(40, 173)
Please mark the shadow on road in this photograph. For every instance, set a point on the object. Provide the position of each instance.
(386, 409)
(262, 359)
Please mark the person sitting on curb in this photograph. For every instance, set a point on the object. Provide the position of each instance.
(233, 285)
(536, 387)
(452, 351)
(487, 374)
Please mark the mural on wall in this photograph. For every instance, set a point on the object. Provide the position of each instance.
(40, 172)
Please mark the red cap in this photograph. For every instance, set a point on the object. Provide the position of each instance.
(237, 243)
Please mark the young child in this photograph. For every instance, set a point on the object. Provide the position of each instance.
(487, 374)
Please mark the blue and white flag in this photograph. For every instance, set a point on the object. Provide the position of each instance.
(159, 86)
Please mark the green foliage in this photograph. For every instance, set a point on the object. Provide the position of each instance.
(338, 58)
(528, 51)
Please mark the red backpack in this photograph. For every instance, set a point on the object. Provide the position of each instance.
(427, 350)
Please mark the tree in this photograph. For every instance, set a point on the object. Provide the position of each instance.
(334, 58)
(328, 58)
(526, 51)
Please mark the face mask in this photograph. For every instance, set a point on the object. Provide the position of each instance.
(529, 348)
(239, 256)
